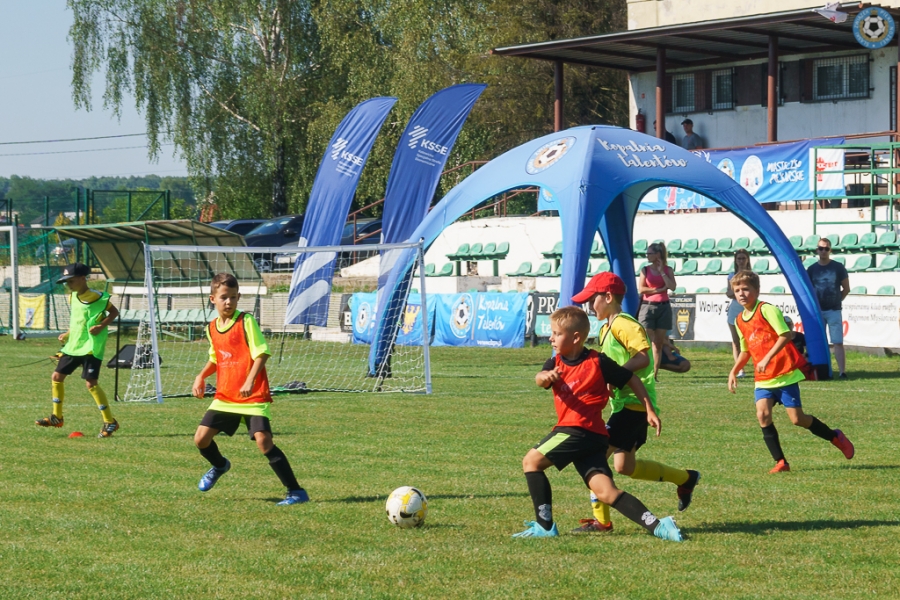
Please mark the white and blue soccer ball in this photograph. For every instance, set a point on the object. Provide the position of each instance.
(874, 26)
(406, 507)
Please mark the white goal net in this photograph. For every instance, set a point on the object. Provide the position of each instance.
(331, 355)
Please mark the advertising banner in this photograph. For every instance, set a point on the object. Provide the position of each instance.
(328, 206)
(683, 316)
(541, 305)
(33, 311)
(480, 319)
(362, 319)
(772, 173)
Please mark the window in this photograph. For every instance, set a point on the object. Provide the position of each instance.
(683, 93)
(723, 89)
(841, 78)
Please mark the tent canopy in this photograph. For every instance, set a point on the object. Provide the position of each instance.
(119, 248)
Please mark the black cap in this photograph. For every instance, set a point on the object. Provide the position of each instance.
(687, 122)
(74, 270)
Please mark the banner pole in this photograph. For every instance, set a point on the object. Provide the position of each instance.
(425, 330)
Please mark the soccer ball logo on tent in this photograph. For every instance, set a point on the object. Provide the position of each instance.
(546, 156)
(461, 316)
(362, 317)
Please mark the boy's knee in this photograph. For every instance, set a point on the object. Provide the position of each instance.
(57, 377)
(532, 461)
(91, 383)
(263, 441)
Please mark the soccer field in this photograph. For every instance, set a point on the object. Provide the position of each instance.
(122, 517)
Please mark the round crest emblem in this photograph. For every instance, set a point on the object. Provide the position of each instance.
(873, 28)
(362, 317)
(752, 174)
(461, 316)
(547, 155)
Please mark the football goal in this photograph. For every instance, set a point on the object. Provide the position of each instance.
(316, 325)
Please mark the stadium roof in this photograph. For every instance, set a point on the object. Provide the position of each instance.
(705, 43)
(119, 248)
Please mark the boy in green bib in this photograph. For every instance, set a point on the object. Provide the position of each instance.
(85, 343)
(624, 340)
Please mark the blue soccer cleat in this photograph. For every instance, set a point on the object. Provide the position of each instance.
(667, 530)
(212, 476)
(535, 530)
(295, 497)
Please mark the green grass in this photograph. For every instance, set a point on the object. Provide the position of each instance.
(122, 518)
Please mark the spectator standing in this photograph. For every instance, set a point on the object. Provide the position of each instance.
(741, 263)
(669, 136)
(655, 281)
(832, 284)
(690, 141)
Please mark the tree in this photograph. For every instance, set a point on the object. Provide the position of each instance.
(228, 81)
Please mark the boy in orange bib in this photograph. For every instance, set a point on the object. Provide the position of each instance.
(238, 355)
(765, 337)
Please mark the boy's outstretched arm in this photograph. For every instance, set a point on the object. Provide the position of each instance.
(200, 382)
(742, 359)
(783, 340)
(258, 363)
(545, 379)
(637, 386)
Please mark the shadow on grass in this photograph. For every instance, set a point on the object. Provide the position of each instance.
(383, 498)
(767, 527)
(852, 467)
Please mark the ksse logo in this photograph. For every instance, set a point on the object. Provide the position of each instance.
(337, 151)
(418, 133)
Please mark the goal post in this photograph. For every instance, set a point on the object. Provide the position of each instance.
(332, 355)
(12, 236)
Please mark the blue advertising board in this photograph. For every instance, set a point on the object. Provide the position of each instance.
(362, 317)
(480, 319)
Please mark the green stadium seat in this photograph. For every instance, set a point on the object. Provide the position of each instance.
(723, 290)
(867, 241)
(429, 269)
(489, 250)
(557, 272)
(761, 266)
(476, 252)
(840, 259)
(556, 252)
(702, 290)
(778, 289)
(885, 290)
(524, 270)
(774, 268)
(727, 270)
(834, 239)
(640, 247)
(690, 247)
(742, 243)
(543, 270)
(757, 247)
(673, 248)
(847, 243)
(446, 271)
(889, 263)
(688, 268)
(706, 248)
(724, 246)
(888, 242)
(595, 249)
(680, 290)
(810, 244)
(808, 261)
(859, 290)
(641, 267)
(862, 263)
(602, 265)
(502, 251)
(796, 242)
(712, 267)
(461, 253)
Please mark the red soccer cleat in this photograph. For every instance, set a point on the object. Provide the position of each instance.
(592, 526)
(841, 442)
(780, 467)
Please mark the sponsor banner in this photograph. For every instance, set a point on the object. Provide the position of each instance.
(362, 319)
(33, 311)
(773, 173)
(869, 321)
(683, 316)
(362, 316)
(541, 305)
(480, 319)
(346, 313)
(327, 208)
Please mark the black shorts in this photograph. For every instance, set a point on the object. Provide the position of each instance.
(90, 366)
(627, 429)
(580, 447)
(228, 423)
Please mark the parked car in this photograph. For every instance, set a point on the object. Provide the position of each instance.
(238, 226)
(367, 229)
(279, 231)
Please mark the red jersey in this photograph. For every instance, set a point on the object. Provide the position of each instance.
(760, 337)
(581, 393)
(233, 364)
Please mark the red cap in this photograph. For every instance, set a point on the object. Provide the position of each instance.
(600, 284)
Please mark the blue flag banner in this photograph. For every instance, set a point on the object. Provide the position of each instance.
(772, 173)
(362, 315)
(480, 319)
(329, 204)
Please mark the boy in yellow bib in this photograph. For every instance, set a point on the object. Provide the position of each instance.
(85, 344)
(624, 340)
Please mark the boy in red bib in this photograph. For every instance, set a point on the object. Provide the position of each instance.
(765, 337)
(579, 379)
(238, 355)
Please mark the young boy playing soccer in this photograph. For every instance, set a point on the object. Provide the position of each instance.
(579, 379)
(238, 355)
(624, 340)
(765, 337)
(85, 344)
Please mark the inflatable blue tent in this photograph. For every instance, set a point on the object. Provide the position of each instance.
(596, 176)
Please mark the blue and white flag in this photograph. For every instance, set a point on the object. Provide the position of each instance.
(329, 203)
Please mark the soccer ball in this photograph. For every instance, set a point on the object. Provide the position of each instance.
(873, 26)
(406, 507)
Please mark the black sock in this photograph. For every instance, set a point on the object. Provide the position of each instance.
(212, 454)
(279, 463)
(770, 435)
(635, 510)
(822, 430)
(542, 497)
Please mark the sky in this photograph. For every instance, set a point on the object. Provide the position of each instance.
(36, 105)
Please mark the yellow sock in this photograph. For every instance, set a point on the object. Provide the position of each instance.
(58, 389)
(648, 470)
(100, 398)
(601, 511)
